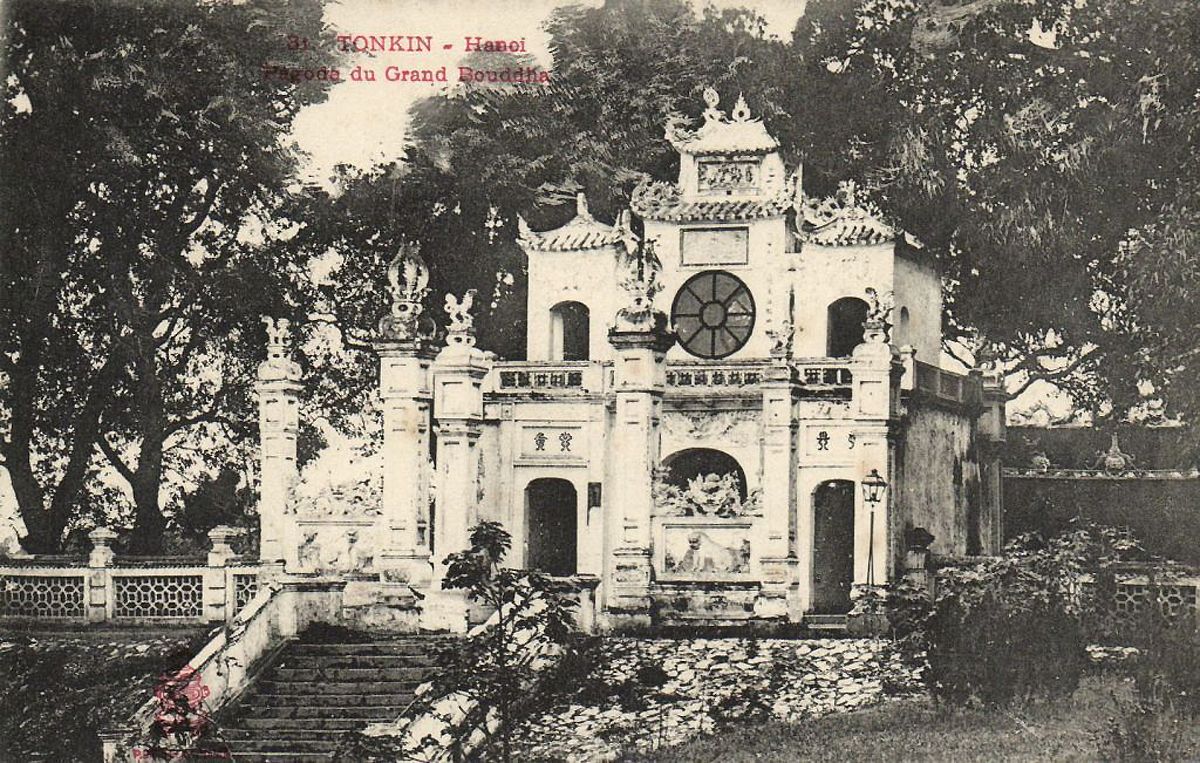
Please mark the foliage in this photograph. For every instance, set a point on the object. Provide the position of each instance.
(181, 728)
(145, 173)
(919, 729)
(494, 675)
(58, 692)
(1020, 141)
(1014, 626)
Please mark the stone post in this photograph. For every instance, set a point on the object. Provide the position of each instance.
(278, 389)
(640, 384)
(993, 432)
(221, 551)
(878, 369)
(217, 593)
(404, 386)
(102, 554)
(777, 555)
(458, 373)
(99, 582)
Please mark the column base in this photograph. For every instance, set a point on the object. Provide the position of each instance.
(780, 595)
(444, 611)
(412, 567)
(629, 591)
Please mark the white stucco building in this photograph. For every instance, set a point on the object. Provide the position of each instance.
(699, 408)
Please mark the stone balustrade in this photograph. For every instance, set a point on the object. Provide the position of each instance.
(547, 377)
(110, 588)
(947, 386)
(568, 378)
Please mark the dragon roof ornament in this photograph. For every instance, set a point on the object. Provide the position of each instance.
(844, 219)
(582, 232)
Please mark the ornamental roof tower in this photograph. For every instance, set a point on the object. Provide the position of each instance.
(729, 169)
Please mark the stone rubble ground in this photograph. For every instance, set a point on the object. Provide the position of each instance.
(708, 681)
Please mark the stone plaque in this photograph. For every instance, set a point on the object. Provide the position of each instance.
(704, 549)
(825, 442)
(553, 442)
(715, 246)
(727, 175)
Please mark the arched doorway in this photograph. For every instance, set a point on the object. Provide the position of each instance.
(846, 317)
(569, 331)
(833, 546)
(550, 526)
(685, 465)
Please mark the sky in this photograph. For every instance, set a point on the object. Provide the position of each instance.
(363, 123)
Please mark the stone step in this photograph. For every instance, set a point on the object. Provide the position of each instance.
(826, 622)
(239, 734)
(288, 725)
(335, 675)
(364, 713)
(290, 660)
(331, 700)
(275, 757)
(335, 687)
(416, 646)
(283, 744)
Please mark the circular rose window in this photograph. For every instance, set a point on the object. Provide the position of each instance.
(713, 314)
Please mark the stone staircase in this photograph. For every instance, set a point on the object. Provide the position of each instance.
(314, 692)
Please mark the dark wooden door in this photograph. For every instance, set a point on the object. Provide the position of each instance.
(551, 528)
(833, 546)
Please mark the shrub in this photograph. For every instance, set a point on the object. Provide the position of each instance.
(1010, 627)
(1146, 731)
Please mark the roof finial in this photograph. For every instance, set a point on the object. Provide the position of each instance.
(741, 112)
(581, 206)
(712, 114)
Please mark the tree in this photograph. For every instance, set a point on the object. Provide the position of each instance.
(1036, 136)
(143, 148)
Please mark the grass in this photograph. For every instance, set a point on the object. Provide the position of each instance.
(58, 689)
(1070, 729)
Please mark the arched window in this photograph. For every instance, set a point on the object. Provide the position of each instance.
(569, 331)
(902, 336)
(846, 317)
(685, 465)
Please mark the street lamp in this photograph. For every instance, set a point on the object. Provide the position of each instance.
(873, 486)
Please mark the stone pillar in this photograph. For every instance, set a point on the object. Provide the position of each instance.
(640, 384)
(278, 389)
(217, 593)
(99, 581)
(404, 376)
(993, 433)
(102, 553)
(404, 379)
(458, 373)
(777, 554)
(878, 369)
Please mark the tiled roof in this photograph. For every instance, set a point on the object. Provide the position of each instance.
(662, 201)
(582, 232)
(842, 221)
(737, 134)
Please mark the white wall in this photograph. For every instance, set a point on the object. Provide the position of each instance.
(919, 289)
(588, 277)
